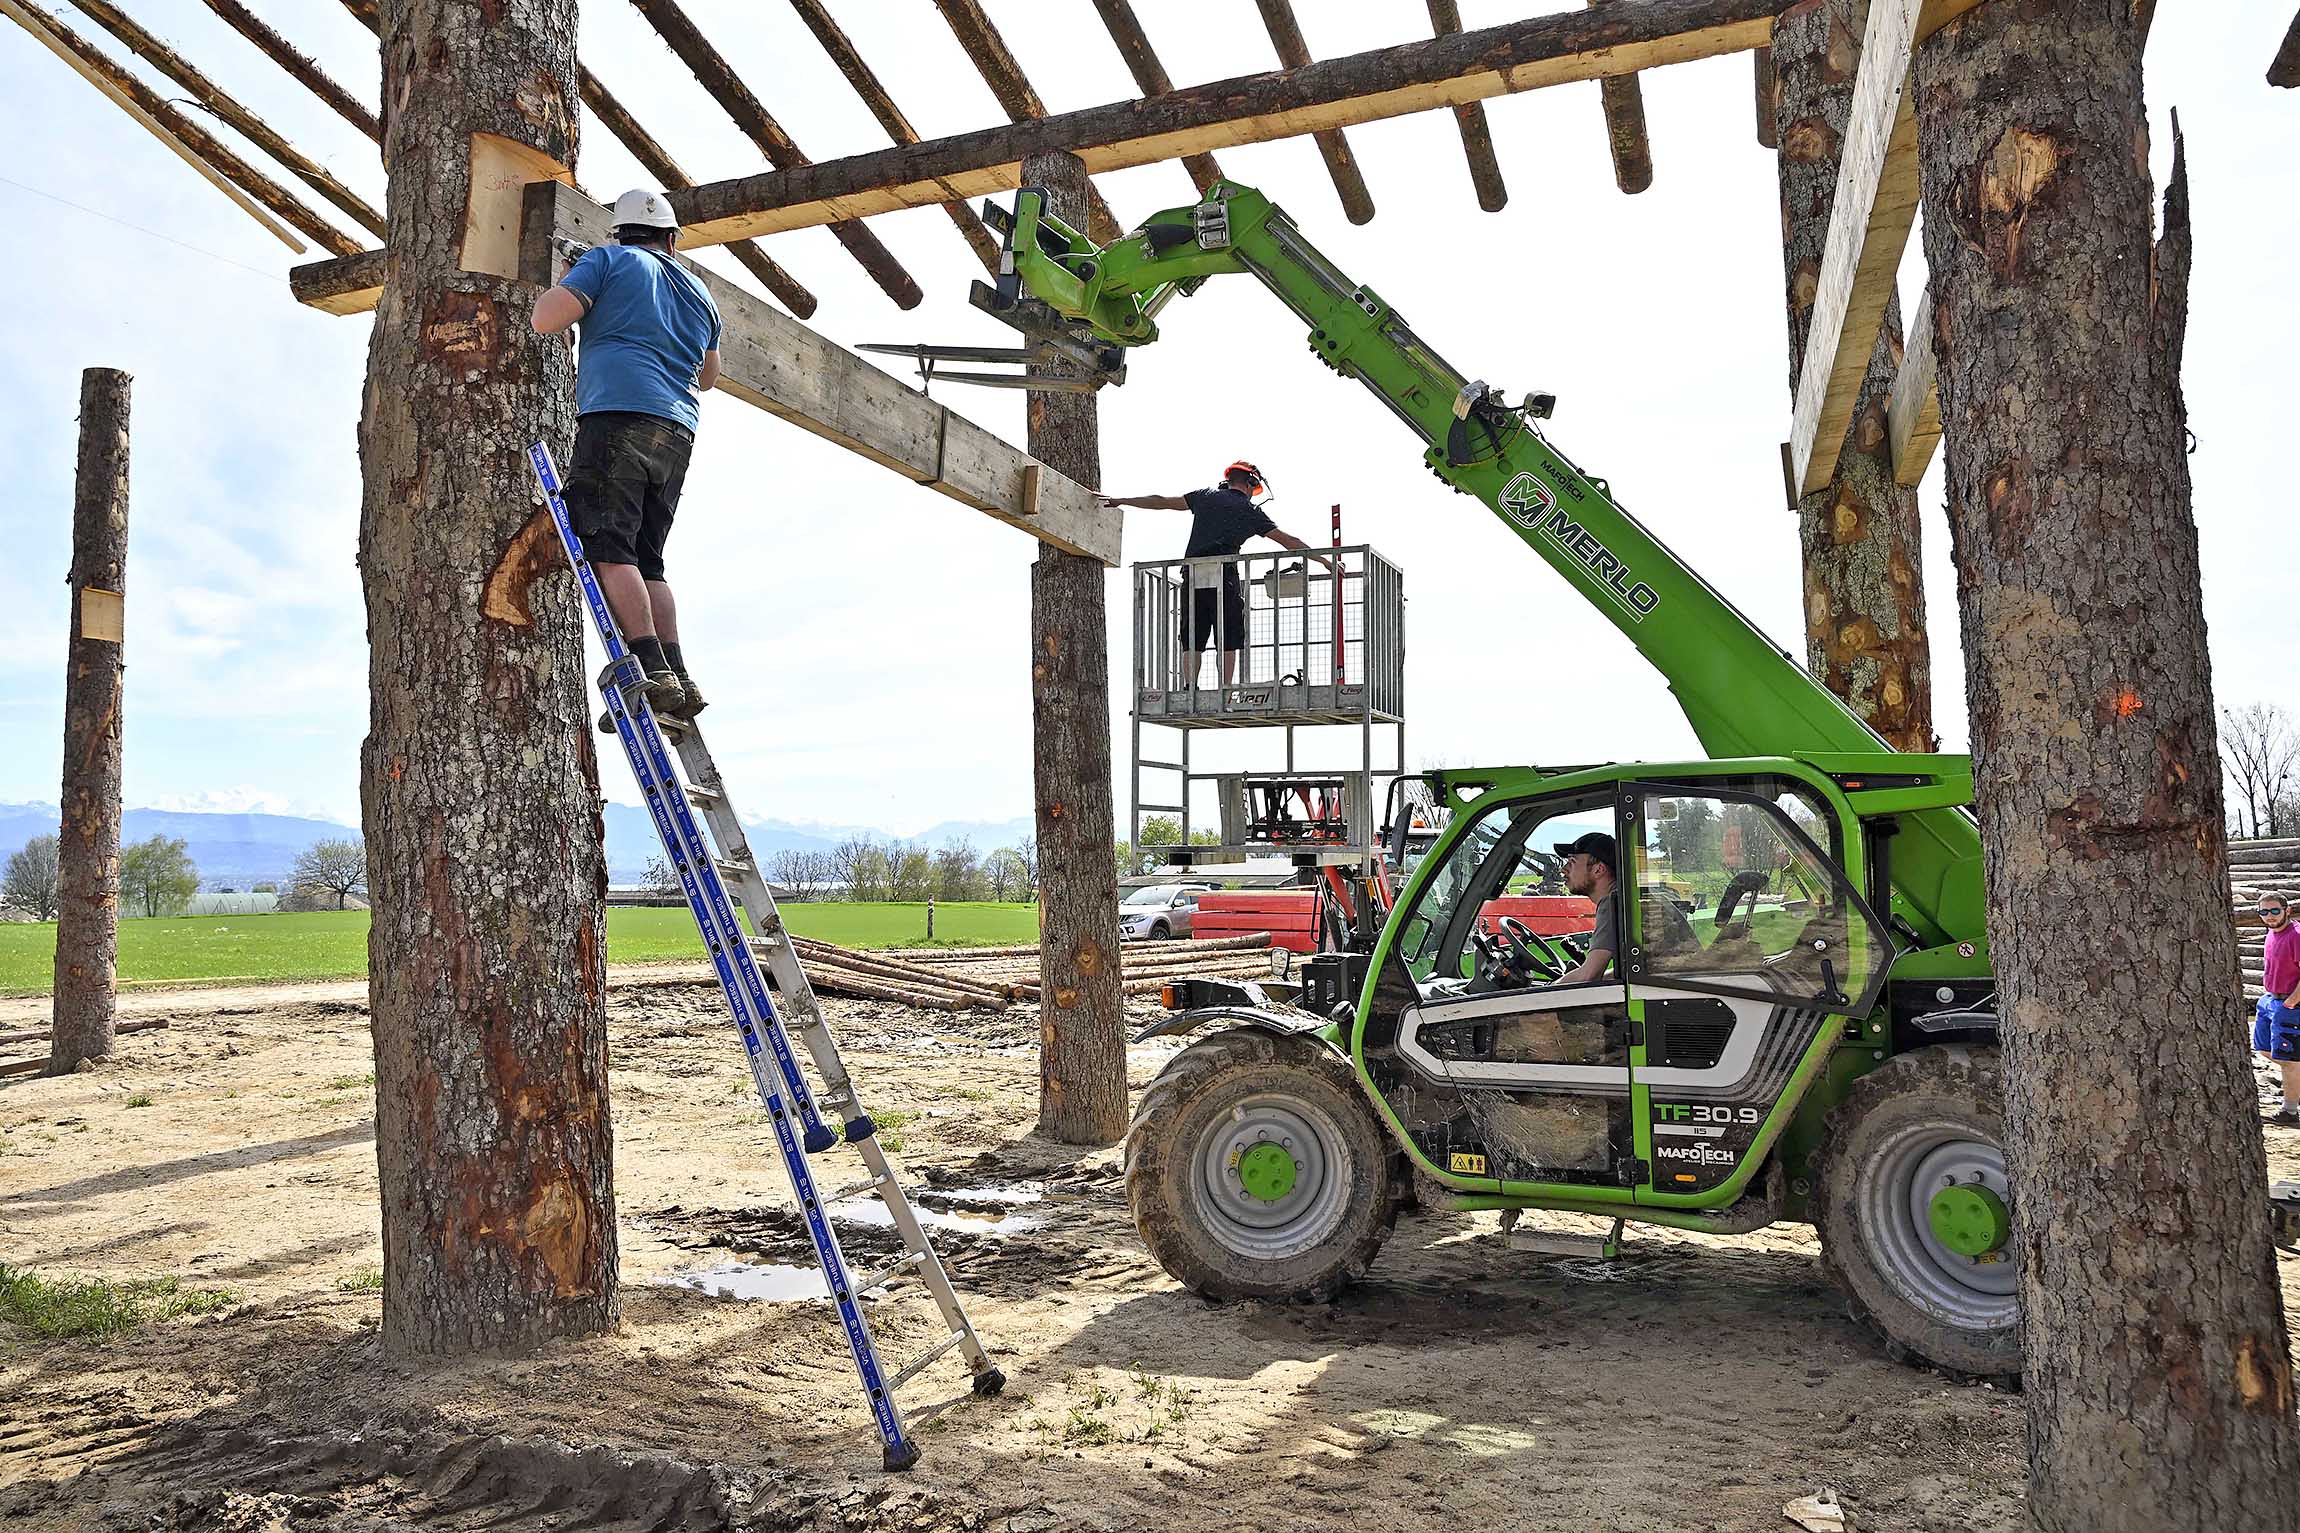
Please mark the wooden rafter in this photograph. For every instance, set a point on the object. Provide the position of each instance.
(1625, 136)
(1476, 133)
(1438, 72)
(1293, 52)
(213, 96)
(657, 162)
(1002, 72)
(1142, 62)
(2284, 69)
(712, 72)
(299, 64)
(1869, 221)
(1768, 94)
(874, 95)
(192, 142)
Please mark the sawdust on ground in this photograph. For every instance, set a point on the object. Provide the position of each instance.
(1696, 1383)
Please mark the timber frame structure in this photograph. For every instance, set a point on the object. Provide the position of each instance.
(781, 366)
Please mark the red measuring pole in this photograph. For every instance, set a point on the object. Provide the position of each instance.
(1337, 598)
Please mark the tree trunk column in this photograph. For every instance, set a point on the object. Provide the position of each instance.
(88, 856)
(1082, 1009)
(2159, 1385)
(1865, 634)
(478, 783)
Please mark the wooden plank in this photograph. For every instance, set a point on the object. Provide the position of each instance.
(1421, 76)
(1869, 222)
(213, 96)
(777, 364)
(494, 202)
(1913, 418)
(1150, 74)
(1002, 72)
(1476, 133)
(1341, 165)
(39, 25)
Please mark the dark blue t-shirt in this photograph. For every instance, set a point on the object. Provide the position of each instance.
(1221, 520)
(644, 333)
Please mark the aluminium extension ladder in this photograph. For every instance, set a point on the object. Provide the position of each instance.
(751, 971)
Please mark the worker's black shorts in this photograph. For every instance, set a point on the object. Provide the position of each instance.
(623, 486)
(1232, 597)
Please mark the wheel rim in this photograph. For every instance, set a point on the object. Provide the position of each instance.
(1273, 1176)
(1921, 1178)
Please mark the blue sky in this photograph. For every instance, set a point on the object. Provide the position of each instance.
(865, 640)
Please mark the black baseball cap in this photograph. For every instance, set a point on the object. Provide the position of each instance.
(1596, 844)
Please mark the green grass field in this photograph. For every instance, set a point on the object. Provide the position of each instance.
(333, 944)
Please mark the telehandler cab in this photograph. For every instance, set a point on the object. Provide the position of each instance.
(1814, 1038)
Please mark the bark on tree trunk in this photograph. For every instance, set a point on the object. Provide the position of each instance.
(478, 783)
(2159, 1383)
(88, 857)
(1865, 636)
(1082, 1011)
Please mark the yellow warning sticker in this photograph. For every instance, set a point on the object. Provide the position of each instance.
(1466, 1165)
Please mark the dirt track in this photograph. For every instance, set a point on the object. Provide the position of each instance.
(1695, 1384)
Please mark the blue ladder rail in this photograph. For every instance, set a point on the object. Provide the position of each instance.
(782, 1088)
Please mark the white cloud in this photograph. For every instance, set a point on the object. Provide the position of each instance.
(240, 799)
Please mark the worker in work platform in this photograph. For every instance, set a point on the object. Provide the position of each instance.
(1222, 518)
(650, 345)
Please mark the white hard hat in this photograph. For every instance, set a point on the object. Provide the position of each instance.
(650, 210)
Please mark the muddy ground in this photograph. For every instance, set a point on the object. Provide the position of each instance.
(1695, 1383)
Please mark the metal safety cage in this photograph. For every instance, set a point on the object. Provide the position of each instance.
(1318, 638)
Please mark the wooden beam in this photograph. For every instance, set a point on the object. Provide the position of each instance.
(211, 95)
(1438, 72)
(1768, 94)
(2284, 69)
(1869, 220)
(1476, 133)
(226, 171)
(1625, 136)
(726, 88)
(1286, 36)
(299, 64)
(874, 95)
(1002, 72)
(1142, 62)
(348, 285)
(1913, 418)
(657, 162)
(782, 367)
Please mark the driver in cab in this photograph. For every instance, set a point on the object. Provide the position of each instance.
(1592, 870)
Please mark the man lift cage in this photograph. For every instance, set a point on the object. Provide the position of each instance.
(1311, 641)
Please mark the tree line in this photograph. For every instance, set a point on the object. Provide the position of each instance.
(158, 877)
(2260, 757)
(866, 868)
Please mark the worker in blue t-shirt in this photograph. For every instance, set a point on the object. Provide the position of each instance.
(650, 345)
(1222, 518)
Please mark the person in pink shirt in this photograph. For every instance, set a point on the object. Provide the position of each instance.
(2276, 1016)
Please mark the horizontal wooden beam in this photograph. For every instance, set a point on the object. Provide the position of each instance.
(982, 42)
(772, 361)
(1435, 73)
(1869, 222)
(1913, 416)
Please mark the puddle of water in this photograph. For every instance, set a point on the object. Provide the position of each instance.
(776, 1282)
(873, 1213)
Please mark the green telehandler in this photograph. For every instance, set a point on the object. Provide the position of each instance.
(1800, 1022)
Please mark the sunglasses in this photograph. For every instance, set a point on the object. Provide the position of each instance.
(2271, 910)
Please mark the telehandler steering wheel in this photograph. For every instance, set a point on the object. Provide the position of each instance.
(1531, 949)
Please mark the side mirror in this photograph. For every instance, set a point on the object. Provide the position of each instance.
(1400, 827)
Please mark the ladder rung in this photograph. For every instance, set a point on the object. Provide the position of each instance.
(856, 1191)
(703, 795)
(904, 1373)
(887, 1273)
(738, 867)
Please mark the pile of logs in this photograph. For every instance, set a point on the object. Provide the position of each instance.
(992, 978)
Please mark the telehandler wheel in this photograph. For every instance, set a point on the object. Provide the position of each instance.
(1914, 1214)
(1256, 1170)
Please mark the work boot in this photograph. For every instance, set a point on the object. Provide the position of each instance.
(693, 702)
(661, 689)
